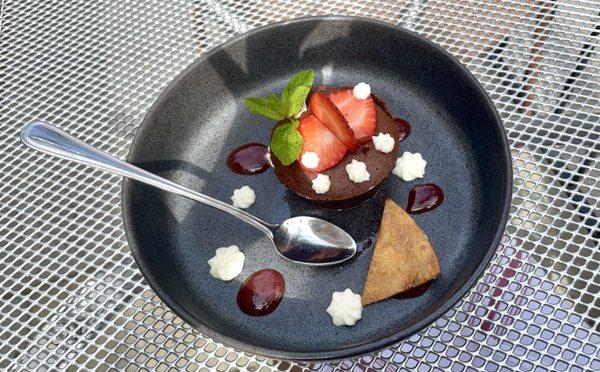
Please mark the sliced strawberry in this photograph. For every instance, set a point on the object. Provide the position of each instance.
(318, 139)
(360, 113)
(324, 110)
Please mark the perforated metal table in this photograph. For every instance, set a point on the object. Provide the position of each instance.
(71, 295)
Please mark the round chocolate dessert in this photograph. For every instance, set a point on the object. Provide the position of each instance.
(343, 192)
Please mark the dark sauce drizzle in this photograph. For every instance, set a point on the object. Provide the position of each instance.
(250, 158)
(404, 128)
(423, 198)
(413, 292)
(360, 248)
(261, 293)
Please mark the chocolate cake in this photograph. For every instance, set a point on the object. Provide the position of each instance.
(343, 192)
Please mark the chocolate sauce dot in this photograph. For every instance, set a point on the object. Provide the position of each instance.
(250, 158)
(423, 198)
(413, 292)
(261, 293)
(404, 128)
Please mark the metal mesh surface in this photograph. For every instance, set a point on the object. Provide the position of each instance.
(71, 294)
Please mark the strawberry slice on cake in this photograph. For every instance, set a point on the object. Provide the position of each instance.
(321, 141)
(323, 109)
(359, 113)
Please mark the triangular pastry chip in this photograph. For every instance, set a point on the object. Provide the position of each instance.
(402, 259)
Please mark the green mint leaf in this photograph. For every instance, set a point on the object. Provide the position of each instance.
(296, 100)
(270, 107)
(286, 142)
(290, 95)
(300, 79)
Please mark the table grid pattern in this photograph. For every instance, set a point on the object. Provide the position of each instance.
(71, 295)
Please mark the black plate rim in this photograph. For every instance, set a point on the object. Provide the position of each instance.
(352, 351)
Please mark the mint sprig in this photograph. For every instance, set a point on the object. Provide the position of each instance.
(296, 100)
(295, 93)
(271, 107)
(286, 141)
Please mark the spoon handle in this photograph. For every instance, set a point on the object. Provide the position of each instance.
(51, 140)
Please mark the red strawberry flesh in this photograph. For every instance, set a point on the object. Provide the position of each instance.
(360, 113)
(320, 140)
(328, 114)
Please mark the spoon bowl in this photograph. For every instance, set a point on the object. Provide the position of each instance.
(313, 240)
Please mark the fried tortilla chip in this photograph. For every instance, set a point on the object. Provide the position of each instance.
(402, 259)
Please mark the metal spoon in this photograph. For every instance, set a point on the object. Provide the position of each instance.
(305, 240)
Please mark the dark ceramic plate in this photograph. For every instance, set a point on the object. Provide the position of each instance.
(200, 118)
